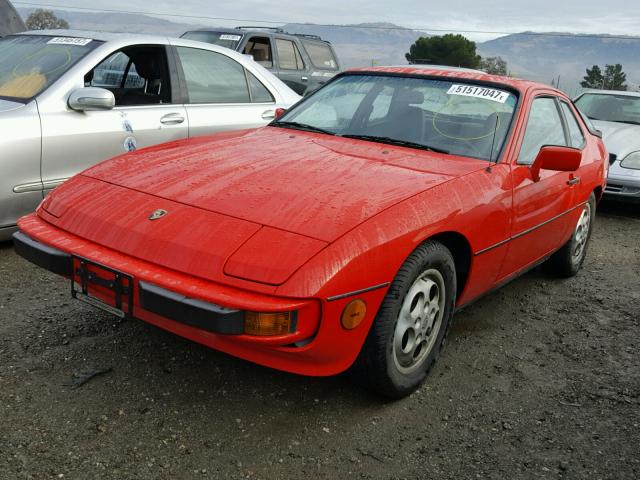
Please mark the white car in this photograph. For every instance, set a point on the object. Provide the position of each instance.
(69, 99)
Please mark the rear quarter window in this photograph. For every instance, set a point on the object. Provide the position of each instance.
(321, 55)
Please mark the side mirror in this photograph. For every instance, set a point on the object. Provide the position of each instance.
(561, 159)
(91, 98)
(280, 112)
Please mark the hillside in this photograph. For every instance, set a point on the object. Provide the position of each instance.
(536, 57)
(542, 58)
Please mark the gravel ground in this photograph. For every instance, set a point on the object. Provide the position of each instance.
(540, 379)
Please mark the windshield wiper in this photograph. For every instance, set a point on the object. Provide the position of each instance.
(631, 122)
(300, 126)
(395, 141)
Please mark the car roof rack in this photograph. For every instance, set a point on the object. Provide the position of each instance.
(251, 27)
(308, 35)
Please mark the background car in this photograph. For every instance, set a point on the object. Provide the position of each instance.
(617, 115)
(304, 62)
(343, 235)
(71, 99)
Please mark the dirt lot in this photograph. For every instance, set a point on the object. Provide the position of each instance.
(540, 380)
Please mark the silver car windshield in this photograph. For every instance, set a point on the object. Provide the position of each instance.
(610, 107)
(443, 115)
(30, 63)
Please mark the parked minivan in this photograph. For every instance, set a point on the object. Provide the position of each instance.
(303, 62)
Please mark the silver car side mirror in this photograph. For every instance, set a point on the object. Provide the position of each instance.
(91, 98)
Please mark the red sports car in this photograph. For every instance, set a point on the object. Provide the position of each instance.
(343, 235)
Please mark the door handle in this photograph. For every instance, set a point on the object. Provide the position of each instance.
(573, 181)
(172, 119)
(304, 79)
(269, 115)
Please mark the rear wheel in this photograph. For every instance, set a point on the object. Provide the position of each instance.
(411, 325)
(567, 261)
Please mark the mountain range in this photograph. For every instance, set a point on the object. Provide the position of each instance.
(542, 57)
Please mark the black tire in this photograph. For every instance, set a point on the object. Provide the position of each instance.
(565, 262)
(378, 366)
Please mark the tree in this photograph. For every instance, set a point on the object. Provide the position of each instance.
(612, 79)
(45, 20)
(451, 50)
(593, 78)
(494, 66)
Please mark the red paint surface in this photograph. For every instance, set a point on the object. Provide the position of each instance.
(275, 219)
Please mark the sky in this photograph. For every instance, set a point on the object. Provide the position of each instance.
(619, 17)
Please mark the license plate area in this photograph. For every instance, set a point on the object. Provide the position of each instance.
(102, 287)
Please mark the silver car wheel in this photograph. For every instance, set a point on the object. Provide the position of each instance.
(581, 234)
(419, 321)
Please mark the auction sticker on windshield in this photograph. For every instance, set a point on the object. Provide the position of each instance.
(479, 92)
(233, 38)
(80, 42)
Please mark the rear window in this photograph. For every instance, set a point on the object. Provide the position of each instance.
(224, 39)
(321, 55)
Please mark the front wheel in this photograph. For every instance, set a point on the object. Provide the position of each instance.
(567, 261)
(411, 325)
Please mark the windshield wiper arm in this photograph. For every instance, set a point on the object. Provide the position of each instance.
(396, 141)
(300, 126)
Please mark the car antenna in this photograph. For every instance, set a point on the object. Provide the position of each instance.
(493, 142)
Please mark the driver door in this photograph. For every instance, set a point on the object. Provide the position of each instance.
(540, 217)
(147, 112)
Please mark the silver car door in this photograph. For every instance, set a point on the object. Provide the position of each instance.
(141, 81)
(221, 93)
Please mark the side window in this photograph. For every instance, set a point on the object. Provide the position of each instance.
(289, 57)
(135, 76)
(543, 128)
(575, 132)
(213, 77)
(259, 93)
(260, 49)
(321, 55)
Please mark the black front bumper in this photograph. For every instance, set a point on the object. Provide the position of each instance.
(42, 255)
(189, 311)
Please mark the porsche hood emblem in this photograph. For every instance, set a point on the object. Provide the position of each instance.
(156, 214)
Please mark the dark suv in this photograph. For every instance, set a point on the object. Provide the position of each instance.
(303, 62)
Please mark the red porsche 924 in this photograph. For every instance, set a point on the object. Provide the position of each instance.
(346, 233)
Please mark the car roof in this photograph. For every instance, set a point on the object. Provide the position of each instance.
(459, 73)
(265, 30)
(611, 92)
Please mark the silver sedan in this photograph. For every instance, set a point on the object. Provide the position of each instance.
(69, 99)
(617, 115)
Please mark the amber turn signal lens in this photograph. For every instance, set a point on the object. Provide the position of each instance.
(267, 324)
(353, 314)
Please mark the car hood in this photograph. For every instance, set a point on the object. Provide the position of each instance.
(246, 206)
(7, 105)
(309, 184)
(619, 138)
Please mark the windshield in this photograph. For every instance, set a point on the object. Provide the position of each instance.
(224, 39)
(610, 108)
(30, 63)
(441, 115)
